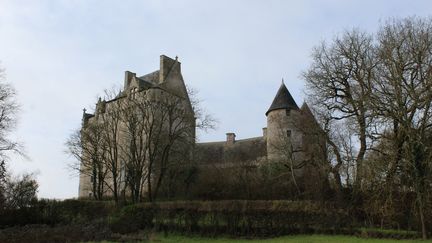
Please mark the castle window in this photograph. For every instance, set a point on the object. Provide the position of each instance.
(133, 93)
(289, 133)
(288, 111)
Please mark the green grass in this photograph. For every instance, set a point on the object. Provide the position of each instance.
(286, 239)
(390, 231)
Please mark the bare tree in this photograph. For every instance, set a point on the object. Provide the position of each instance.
(403, 100)
(20, 192)
(89, 148)
(172, 147)
(339, 84)
(133, 141)
(8, 111)
(378, 90)
(8, 119)
(175, 141)
(290, 156)
(109, 114)
(141, 128)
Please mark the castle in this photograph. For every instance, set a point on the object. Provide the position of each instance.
(285, 138)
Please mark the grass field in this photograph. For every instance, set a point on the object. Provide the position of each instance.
(286, 239)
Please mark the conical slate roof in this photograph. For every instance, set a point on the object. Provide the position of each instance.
(283, 100)
(305, 109)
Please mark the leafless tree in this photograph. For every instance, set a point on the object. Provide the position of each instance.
(173, 147)
(8, 119)
(289, 155)
(176, 137)
(135, 149)
(20, 192)
(403, 101)
(88, 146)
(109, 114)
(379, 88)
(339, 84)
(133, 141)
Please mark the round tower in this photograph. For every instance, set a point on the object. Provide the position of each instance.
(283, 134)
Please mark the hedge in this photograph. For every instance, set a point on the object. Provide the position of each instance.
(52, 212)
(234, 217)
(231, 217)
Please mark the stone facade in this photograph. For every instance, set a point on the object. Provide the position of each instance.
(282, 139)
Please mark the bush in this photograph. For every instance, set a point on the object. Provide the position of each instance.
(54, 212)
(75, 211)
(61, 233)
(132, 218)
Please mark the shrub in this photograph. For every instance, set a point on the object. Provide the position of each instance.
(132, 218)
(54, 212)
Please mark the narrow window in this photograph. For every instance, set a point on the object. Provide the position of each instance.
(133, 93)
(288, 111)
(289, 133)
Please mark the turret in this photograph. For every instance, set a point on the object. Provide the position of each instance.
(85, 117)
(282, 133)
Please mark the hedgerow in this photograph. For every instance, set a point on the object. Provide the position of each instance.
(233, 217)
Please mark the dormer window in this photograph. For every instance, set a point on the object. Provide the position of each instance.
(133, 92)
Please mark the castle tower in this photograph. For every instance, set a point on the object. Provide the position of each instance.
(283, 133)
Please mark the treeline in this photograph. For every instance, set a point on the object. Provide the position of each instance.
(371, 93)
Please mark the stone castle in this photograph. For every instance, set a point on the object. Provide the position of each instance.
(284, 138)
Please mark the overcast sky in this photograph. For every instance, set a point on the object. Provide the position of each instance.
(60, 55)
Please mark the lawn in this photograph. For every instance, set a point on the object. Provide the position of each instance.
(286, 239)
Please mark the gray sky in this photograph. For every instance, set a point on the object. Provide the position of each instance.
(60, 55)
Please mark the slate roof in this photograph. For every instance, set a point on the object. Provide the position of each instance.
(283, 100)
(152, 77)
(87, 115)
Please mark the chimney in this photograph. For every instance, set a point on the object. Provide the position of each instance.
(230, 138)
(128, 77)
(166, 66)
(264, 132)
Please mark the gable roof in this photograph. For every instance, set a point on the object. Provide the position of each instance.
(283, 100)
(152, 77)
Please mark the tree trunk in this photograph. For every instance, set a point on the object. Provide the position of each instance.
(338, 184)
(360, 155)
(422, 220)
(115, 188)
(164, 161)
(94, 188)
(149, 186)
